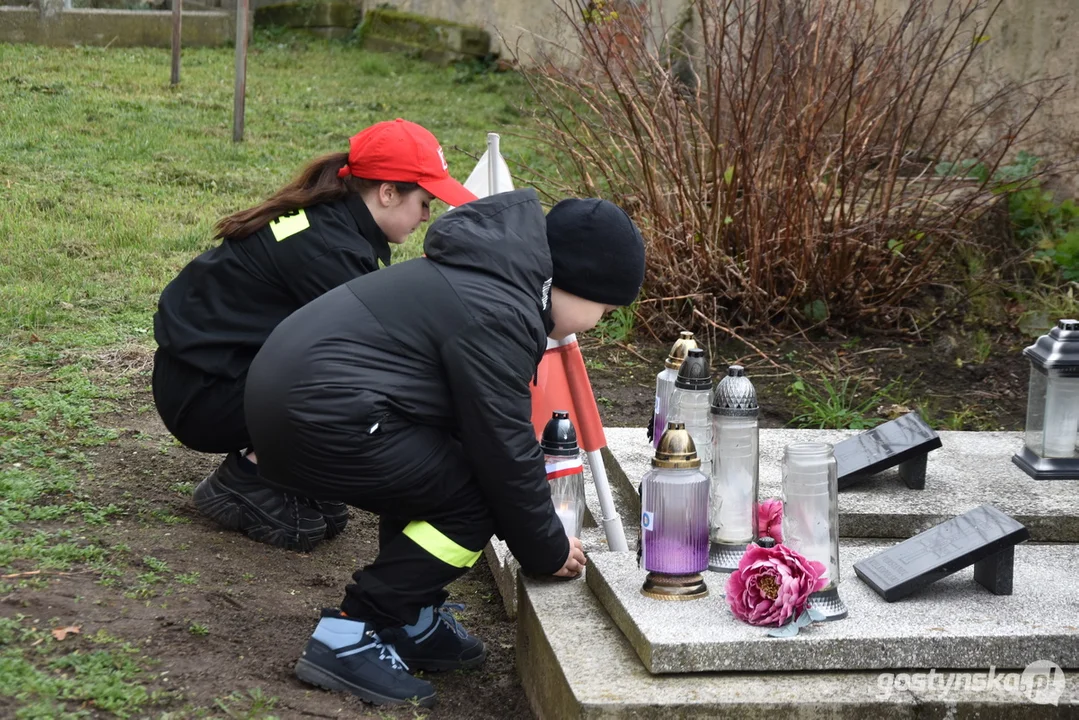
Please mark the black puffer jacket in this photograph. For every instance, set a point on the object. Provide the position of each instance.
(450, 340)
(218, 311)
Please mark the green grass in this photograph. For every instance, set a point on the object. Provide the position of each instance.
(836, 405)
(43, 430)
(111, 181)
(46, 677)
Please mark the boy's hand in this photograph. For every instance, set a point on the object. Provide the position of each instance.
(575, 562)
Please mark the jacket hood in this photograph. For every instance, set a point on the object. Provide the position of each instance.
(504, 235)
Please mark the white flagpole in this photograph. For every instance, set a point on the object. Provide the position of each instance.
(612, 522)
(492, 163)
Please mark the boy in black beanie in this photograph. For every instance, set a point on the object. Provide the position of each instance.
(405, 393)
(596, 250)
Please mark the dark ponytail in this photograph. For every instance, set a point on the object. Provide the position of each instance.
(316, 183)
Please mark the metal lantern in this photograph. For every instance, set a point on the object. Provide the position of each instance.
(665, 383)
(735, 461)
(1051, 449)
(565, 472)
(690, 402)
(674, 520)
(811, 516)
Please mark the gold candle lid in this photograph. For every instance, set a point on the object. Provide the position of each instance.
(676, 449)
(680, 349)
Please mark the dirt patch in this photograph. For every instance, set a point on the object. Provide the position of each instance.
(960, 382)
(242, 612)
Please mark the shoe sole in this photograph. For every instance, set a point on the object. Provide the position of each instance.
(233, 512)
(314, 675)
(335, 525)
(446, 665)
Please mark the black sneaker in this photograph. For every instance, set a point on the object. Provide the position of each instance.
(237, 500)
(335, 514)
(445, 645)
(368, 668)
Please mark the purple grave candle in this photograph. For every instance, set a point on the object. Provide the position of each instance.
(674, 519)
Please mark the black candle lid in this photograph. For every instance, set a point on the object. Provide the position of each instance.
(694, 373)
(1058, 350)
(559, 437)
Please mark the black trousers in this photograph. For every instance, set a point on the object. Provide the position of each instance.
(204, 412)
(434, 520)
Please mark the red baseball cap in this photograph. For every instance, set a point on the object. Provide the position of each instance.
(401, 151)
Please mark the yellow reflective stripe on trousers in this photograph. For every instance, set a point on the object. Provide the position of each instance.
(427, 537)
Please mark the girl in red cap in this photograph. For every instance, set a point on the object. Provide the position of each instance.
(331, 224)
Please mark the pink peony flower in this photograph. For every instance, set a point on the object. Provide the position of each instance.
(770, 519)
(772, 585)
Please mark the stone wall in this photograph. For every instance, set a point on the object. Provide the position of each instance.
(115, 28)
(1029, 39)
(1026, 38)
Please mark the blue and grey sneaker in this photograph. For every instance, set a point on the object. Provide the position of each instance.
(437, 641)
(343, 655)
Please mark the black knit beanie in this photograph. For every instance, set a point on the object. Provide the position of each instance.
(597, 251)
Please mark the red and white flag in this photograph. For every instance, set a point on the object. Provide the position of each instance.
(562, 468)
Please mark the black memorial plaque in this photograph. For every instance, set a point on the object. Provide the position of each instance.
(905, 441)
(984, 537)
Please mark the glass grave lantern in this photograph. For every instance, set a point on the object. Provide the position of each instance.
(811, 516)
(565, 472)
(674, 520)
(735, 462)
(690, 401)
(1051, 447)
(665, 383)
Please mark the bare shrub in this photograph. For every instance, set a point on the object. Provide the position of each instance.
(790, 162)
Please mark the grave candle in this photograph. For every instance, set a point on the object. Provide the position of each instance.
(735, 461)
(569, 519)
(811, 516)
(674, 520)
(690, 401)
(565, 472)
(1051, 447)
(1061, 416)
(665, 383)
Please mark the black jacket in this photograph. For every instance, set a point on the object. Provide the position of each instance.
(217, 313)
(450, 340)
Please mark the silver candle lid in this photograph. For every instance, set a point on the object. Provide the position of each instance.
(1058, 350)
(735, 395)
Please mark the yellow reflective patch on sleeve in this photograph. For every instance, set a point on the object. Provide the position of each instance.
(427, 537)
(288, 225)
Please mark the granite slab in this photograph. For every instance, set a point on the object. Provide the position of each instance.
(970, 469)
(954, 623)
(575, 664)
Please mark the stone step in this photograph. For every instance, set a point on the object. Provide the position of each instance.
(504, 566)
(328, 18)
(953, 623)
(576, 663)
(970, 469)
(385, 29)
